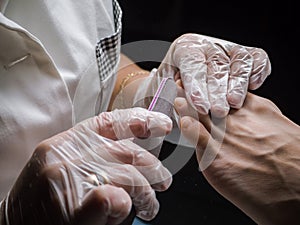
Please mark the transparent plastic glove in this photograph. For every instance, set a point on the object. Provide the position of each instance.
(215, 74)
(86, 176)
(154, 93)
(134, 122)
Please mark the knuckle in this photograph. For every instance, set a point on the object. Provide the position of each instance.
(262, 64)
(101, 199)
(259, 52)
(52, 173)
(42, 149)
(128, 156)
(263, 105)
(130, 169)
(240, 52)
(268, 104)
(104, 119)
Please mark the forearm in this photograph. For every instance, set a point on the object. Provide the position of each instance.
(128, 73)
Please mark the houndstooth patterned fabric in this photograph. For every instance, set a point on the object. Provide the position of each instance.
(108, 48)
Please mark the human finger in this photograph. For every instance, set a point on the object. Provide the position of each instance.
(261, 67)
(218, 66)
(105, 204)
(137, 186)
(128, 153)
(89, 149)
(190, 58)
(133, 122)
(121, 175)
(196, 133)
(240, 71)
(183, 108)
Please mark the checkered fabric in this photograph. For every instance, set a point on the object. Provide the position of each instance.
(108, 48)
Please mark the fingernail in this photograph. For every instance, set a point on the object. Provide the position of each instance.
(186, 122)
(235, 100)
(179, 102)
(219, 111)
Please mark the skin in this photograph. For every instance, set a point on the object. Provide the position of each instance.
(126, 67)
(257, 161)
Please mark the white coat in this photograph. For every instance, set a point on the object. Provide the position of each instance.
(49, 76)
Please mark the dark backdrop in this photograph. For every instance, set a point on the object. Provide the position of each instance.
(271, 26)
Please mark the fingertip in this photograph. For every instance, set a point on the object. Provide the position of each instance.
(105, 204)
(120, 203)
(201, 105)
(219, 106)
(198, 98)
(194, 131)
(261, 68)
(185, 123)
(159, 124)
(119, 198)
(179, 102)
(235, 100)
(167, 181)
(180, 106)
(149, 212)
(190, 129)
(256, 80)
(183, 108)
(158, 176)
(219, 111)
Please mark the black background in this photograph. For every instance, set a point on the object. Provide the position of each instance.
(268, 25)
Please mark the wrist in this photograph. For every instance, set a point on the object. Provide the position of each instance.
(140, 92)
(128, 72)
(127, 86)
(131, 77)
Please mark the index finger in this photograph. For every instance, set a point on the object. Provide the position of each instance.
(133, 122)
(240, 70)
(261, 67)
(189, 57)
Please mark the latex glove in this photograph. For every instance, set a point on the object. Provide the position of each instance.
(86, 176)
(215, 74)
(256, 159)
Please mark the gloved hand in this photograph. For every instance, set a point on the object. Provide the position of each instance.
(215, 74)
(85, 175)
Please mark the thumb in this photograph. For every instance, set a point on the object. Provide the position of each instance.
(207, 147)
(194, 131)
(105, 204)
